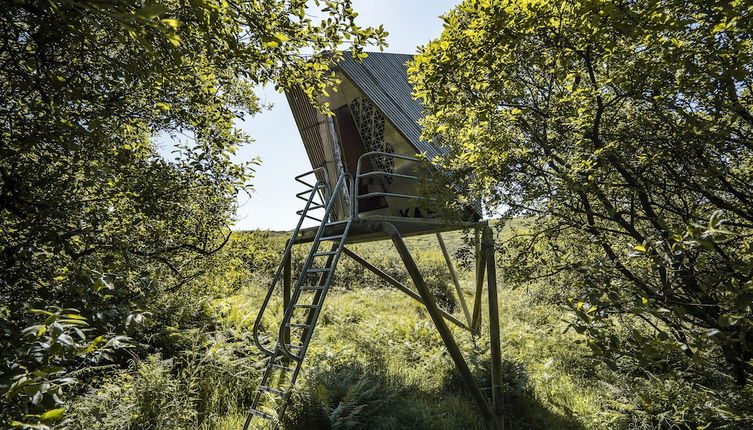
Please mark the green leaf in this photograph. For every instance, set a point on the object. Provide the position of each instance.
(173, 38)
(281, 38)
(728, 320)
(52, 415)
(151, 10)
(174, 23)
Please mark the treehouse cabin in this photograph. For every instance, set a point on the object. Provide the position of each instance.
(362, 188)
(375, 114)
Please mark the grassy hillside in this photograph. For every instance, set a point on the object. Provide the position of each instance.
(376, 360)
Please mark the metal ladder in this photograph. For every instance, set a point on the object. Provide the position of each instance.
(300, 318)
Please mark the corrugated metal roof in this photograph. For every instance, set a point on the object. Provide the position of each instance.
(383, 78)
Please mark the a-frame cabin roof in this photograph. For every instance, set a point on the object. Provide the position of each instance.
(383, 78)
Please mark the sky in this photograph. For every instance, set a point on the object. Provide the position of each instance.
(272, 205)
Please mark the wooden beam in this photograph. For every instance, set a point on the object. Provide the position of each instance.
(444, 331)
(496, 355)
(480, 265)
(455, 280)
(395, 283)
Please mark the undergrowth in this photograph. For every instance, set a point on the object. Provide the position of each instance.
(377, 362)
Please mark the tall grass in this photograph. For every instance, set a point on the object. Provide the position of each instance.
(377, 362)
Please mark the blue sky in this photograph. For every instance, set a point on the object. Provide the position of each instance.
(273, 204)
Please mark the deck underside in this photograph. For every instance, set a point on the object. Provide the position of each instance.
(368, 229)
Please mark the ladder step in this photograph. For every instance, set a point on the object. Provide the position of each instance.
(261, 414)
(326, 269)
(312, 287)
(285, 368)
(291, 346)
(305, 306)
(293, 325)
(337, 236)
(271, 390)
(334, 223)
(321, 254)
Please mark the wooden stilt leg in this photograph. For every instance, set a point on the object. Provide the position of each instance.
(444, 331)
(454, 275)
(480, 266)
(496, 355)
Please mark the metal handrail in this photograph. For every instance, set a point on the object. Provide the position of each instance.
(312, 171)
(309, 260)
(286, 254)
(323, 170)
(359, 175)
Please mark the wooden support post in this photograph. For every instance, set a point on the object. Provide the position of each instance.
(444, 331)
(496, 354)
(480, 265)
(455, 280)
(395, 283)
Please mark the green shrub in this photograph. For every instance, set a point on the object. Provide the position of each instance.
(344, 398)
(213, 375)
(148, 397)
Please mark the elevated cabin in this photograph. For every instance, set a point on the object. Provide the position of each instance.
(373, 112)
(364, 160)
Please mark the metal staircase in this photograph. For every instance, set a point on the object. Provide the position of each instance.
(301, 315)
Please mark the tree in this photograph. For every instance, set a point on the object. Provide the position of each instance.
(95, 223)
(623, 132)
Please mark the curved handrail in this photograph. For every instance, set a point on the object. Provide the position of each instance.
(359, 175)
(297, 293)
(286, 254)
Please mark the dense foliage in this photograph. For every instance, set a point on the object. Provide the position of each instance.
(98, 230)
(624, 130)
(618, 132)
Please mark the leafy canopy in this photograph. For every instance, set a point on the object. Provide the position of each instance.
(95, 225)
(623, 131)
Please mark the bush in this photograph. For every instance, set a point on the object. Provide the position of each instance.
(149, 396)
(213, 375)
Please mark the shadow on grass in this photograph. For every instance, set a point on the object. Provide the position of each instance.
(521, 409)
(360, 397)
